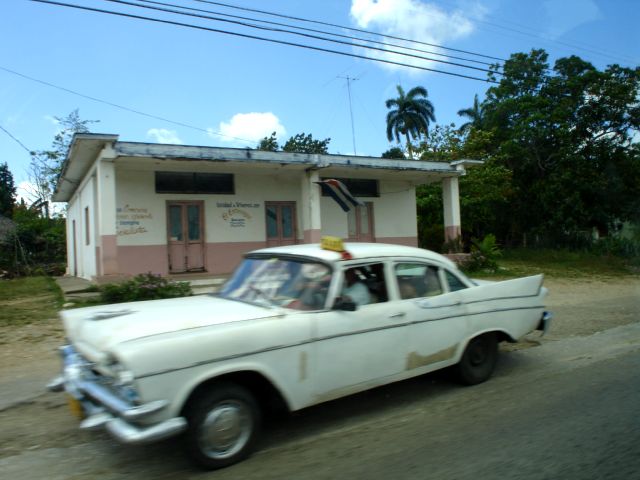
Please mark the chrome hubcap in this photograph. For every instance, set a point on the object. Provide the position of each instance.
(478, 354)
(226, 429)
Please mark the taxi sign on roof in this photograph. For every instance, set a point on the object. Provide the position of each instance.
(332, 243)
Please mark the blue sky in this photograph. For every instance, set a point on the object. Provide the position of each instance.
(233, 91)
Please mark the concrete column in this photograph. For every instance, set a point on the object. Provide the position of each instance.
(310, 202)
(106, 186)
(451, 204)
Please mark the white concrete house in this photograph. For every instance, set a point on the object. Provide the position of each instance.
(170, 209)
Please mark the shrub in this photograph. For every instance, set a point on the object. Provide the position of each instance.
(484, 254)
(146, 286)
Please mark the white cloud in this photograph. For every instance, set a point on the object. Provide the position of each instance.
(162, 135)
(564, 16)
(52, 120)
(414, 20)
(250, 127)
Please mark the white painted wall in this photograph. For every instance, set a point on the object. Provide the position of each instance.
(72, 215)
(85, 252)
(394, 212)
(141, 213)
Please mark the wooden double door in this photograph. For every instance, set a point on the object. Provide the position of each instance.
(185, 236)
(281, 223)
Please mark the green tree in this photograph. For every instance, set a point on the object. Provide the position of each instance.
(46, 165)
(442, 143)
(485, 191)
(567, 137)
(409, 115)
(302, 143)
(7, 191)
(269, 144)
(36, 244)
(474, 115)
(394, 153)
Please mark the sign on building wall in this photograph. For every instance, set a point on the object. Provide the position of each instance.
(132, 220)
(238, 214)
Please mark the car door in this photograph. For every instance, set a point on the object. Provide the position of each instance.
(437, 316)
(355, 350)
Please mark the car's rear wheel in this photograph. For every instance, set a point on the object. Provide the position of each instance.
(478, 360)
(224, 424)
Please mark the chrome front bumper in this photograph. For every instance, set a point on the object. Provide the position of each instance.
(104, 409)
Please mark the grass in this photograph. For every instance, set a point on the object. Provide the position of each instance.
(29, 300)
(560, 264)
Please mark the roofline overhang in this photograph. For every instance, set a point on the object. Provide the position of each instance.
(309, 161)
(86, 148)
(82, 154)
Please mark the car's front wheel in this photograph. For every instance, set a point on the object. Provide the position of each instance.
(224, 424)
(478, 360)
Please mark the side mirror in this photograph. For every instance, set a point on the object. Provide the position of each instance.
(345, 304)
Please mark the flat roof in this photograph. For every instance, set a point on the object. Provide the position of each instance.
(86, 147)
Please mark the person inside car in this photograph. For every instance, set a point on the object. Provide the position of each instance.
(355, 289)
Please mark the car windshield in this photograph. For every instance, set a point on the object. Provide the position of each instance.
(299, 284)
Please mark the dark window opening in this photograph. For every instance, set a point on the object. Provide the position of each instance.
(359, 187)
(87, 226)
(194, 182)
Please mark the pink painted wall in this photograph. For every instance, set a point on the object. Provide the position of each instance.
(223, 257)
(220, 258)
(407, 241)
(142, 259)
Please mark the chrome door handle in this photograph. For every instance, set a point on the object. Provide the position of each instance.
(397, 315)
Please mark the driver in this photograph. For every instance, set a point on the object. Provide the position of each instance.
(355, 289)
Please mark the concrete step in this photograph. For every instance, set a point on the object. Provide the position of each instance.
(203, 286)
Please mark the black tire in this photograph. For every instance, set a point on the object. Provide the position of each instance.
(224, 425)
(478, 360)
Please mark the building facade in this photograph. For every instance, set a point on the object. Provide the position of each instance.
(170, 209)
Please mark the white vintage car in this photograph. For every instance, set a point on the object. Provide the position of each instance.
(299, 324)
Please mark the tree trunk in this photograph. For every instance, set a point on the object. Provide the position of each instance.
(409, 148)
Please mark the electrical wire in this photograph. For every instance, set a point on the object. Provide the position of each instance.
(537, 34)
(16, 140)
(121, 107)
(306, 35)
(300, 19)
(321, 31)
(254, 37)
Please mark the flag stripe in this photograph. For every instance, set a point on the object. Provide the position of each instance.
(340, 193)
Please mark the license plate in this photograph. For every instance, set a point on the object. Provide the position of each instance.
(75, 406)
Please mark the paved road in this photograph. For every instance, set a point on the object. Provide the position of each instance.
(569, 409)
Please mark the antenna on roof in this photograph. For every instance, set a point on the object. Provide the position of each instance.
(353, 131)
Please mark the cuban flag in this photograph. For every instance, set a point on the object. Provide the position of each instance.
(339, 192)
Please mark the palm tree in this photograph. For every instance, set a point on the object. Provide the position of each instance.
(475, 115)
(409, 116)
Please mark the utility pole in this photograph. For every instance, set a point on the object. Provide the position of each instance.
(353, 131)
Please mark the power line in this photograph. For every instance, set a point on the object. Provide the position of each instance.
(540, 35)
(300, 19)
(254, 37)
(121, 107)
(321, 31)
(306, 35)
(15, 139)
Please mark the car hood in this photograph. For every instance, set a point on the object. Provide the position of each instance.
(95, 330)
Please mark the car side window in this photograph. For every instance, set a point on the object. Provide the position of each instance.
(365, 284)
(454, 282)
(417, 280)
